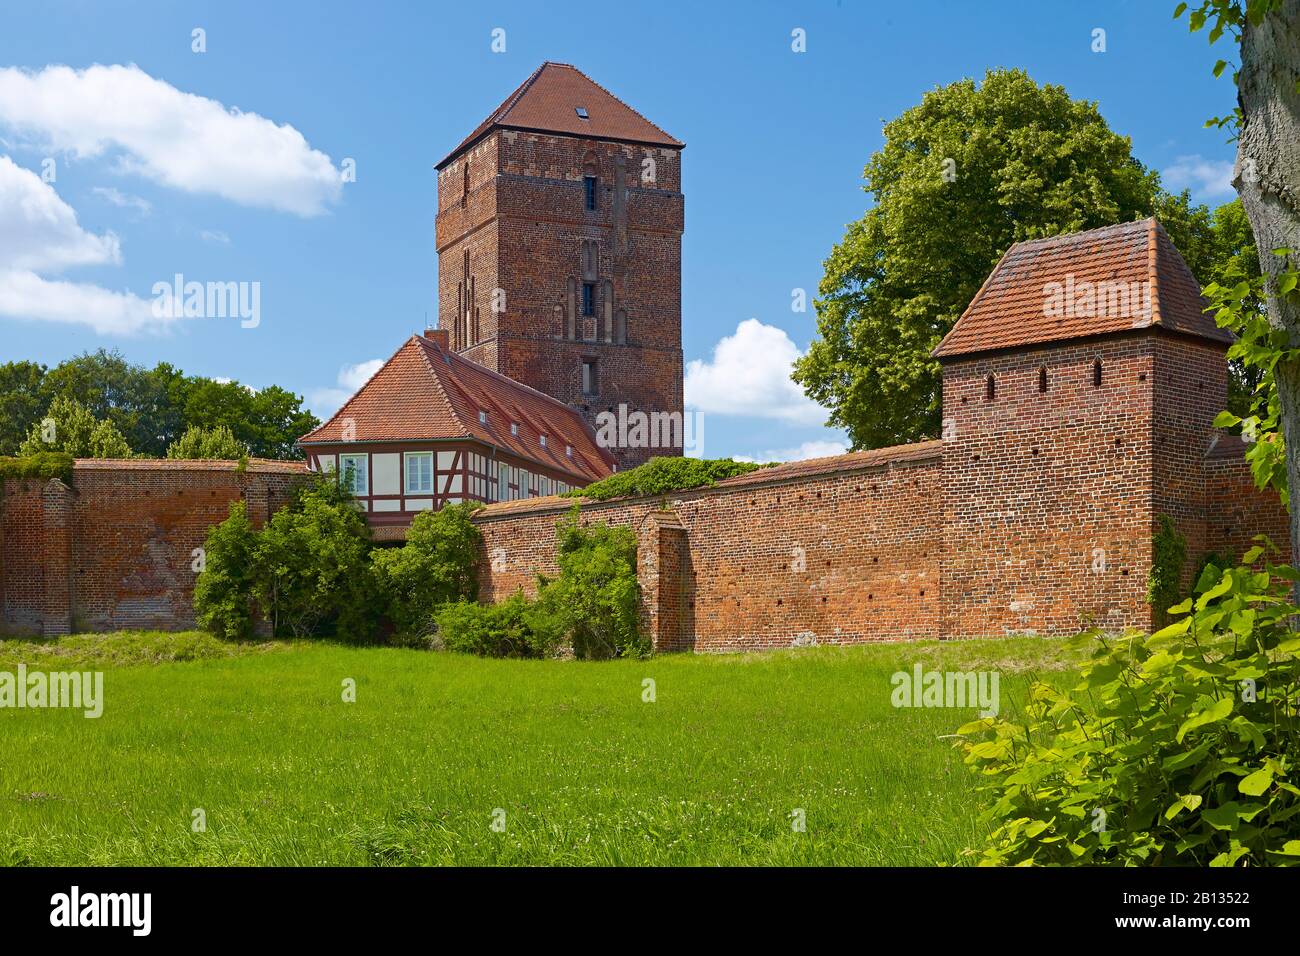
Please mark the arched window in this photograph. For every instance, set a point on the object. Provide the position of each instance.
(990, 388)
(1096, 374)
(1042, 379)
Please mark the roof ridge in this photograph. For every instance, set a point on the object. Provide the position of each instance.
(1074, 236)
(1153, 271)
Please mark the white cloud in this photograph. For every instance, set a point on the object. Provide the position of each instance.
(810, 449)
(39, 233)
(749, 374)
(123, 200)
(181, 140)
(1204, 177)
(215, 235)
(326, 401)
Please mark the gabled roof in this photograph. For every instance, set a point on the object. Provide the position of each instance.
(425, 392)
(548, 102)
(1037, 292)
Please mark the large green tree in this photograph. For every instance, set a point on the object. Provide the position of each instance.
(970, 170)
(21, 403)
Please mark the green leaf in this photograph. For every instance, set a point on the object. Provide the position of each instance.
(1212, 714)
(1257, 782)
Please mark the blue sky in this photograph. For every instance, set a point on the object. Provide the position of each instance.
(153, 175)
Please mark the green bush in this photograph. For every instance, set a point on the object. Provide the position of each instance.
(437, 565)
(512, 628)
(662, 475)
(41, 466)
(593, 603)
(1174, 749)
(308, 571)
(214, 444)
(68, 426)
(223, 593)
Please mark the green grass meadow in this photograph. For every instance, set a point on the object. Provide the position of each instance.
(287, 773)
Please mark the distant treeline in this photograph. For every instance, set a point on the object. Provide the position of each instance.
(150, 408)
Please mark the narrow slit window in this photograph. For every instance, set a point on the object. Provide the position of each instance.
(589, 191)
(1042, 379)
(990, 388)
(588, 298)
(1096, 374)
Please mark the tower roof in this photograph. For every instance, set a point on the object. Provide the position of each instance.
(549, 101)
(427, 392)
(1112, 279)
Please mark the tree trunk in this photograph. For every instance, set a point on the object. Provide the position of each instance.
(1267, 176)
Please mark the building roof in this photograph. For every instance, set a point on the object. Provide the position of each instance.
(920, 451)
(1038, 292)
(427, 392)
(549, 100)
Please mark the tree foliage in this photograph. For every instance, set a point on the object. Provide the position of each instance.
(438, 565)
(70, 427)
(962, 176)
(308, 571)
(1173, 749)
(593, 602)
(217, 443)
(151, 408)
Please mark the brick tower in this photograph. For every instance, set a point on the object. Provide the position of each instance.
(559, 252)
(1080, 388)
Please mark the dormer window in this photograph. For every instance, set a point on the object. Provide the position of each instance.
(542, 440)
(568, 451)
(582, 112)
(514, 428)
(482, 417)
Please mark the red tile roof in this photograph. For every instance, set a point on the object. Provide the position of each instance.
(1016, 305)
(425, 392)
(852, 461)
(548, 101)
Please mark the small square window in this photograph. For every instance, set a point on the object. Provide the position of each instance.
(514, 428)
(543, 441)
(582, 112)
(482, 417)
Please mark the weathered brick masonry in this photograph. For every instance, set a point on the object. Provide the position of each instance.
(836, 551)
(115, 550)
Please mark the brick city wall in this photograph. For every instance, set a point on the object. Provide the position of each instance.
(843, 555)
(115, 549)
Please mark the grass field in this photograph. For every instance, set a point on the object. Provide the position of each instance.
(286, 772)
